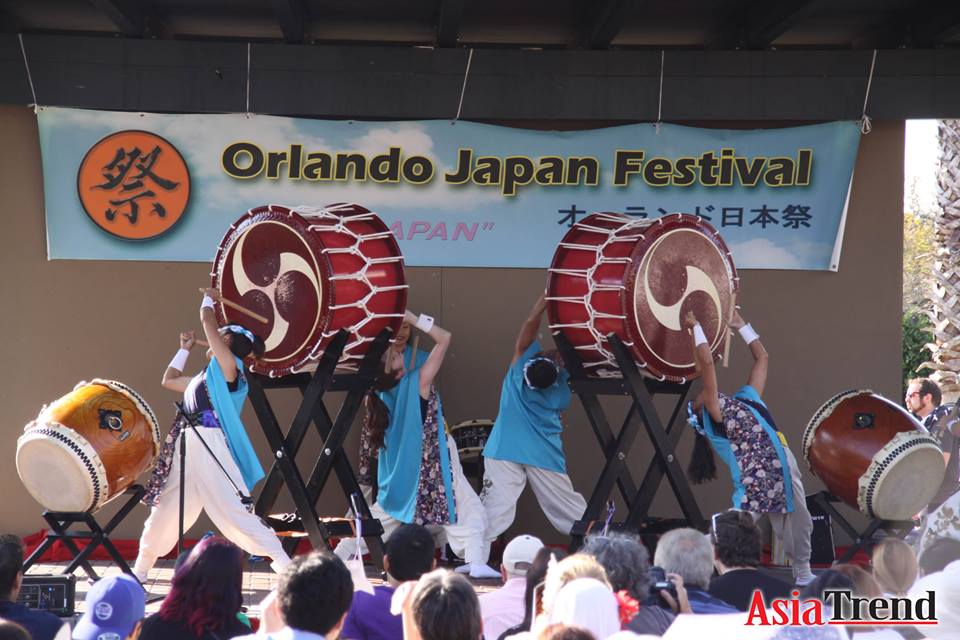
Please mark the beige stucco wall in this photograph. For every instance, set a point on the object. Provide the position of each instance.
(66, 321)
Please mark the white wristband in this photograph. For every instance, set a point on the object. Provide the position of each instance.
(748, 334)
(180, 360)
(424, 323)
(207, 303)
(699, 337)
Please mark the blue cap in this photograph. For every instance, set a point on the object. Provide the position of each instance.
(114, 606)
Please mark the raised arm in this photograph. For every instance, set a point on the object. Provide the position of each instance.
(758, 373)
(173, 378)
(528, 332)
(212, 332)
(441, 339)
(704, 360)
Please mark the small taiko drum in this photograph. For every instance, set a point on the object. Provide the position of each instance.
(87, 447)
(872, 454)
(311, 272)
(471, 437)
(638, 278)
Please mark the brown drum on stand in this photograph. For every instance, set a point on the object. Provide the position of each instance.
(311, 272)
(87, 447)
(637, 278)
(872, 454)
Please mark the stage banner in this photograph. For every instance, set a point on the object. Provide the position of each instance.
(144, 186)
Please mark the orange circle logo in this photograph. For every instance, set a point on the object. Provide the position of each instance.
(134, 184)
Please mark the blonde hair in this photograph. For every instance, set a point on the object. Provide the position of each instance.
(894, 566)
(579, 565)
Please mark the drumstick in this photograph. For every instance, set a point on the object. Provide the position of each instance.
(240, 308)
(202, 343)
(726, 341)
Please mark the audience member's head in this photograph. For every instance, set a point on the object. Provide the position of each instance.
(409, 553)
(737, 542)
(536, 574)
(579, 565)
(938, 554)
(11, 566)
(206, 593)
(688, 553)
(946, 584)
(589, 604)
(831, 579)
(565, 632)
(314, 592)
(114, 609)
(894, 566)
(518, 556)
(444, 606)
(625, 560)
(12, 631)
(864, 584)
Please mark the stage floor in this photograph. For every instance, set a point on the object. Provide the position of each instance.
(258, 580)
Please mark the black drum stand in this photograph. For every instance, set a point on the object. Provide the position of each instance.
(616, 447)
(861, 539)
(333, 433)
(60, 523)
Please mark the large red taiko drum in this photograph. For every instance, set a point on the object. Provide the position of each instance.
(637, 278)
(872, 454)
(311, 272)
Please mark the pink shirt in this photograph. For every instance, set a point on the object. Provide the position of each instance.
(503, 608)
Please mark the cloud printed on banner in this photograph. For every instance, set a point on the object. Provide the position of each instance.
(761, 253)
(201, 139)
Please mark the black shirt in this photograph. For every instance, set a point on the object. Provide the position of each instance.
(736, 587)
(156, 628)
(196, 398)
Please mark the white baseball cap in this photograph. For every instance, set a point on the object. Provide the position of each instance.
(519, 554)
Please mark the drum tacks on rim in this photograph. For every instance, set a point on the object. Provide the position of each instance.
(872, 454)
(638, 278)
(311, 272)
(87, 447)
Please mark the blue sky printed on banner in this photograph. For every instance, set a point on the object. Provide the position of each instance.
(440, 224)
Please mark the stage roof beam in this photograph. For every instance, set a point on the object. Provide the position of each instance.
(291, 16)
(128, 17)
(448, 26)
(604, 23)
(765, 26)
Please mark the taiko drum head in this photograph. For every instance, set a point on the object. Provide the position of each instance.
(638, 279)
(270, 263)
(681, 264)
(310, 272)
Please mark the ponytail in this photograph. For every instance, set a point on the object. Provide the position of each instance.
(376, 420)
(703, 466)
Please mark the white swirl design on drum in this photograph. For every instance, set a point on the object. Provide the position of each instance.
(669, 316)
(289, 262)
(697, 280)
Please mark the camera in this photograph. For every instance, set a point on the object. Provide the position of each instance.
(661, 583)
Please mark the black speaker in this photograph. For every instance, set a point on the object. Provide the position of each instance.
(822, 550)
(49, 593)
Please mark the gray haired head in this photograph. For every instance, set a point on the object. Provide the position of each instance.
(625, 560)
(686, 552)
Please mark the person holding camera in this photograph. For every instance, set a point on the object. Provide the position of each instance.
(638, 585)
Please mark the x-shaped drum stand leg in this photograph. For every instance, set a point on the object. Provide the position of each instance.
(616, 448)
(312, 409)
(861, 539)
(61, 521)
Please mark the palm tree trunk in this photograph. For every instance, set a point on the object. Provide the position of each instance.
(945, 294)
